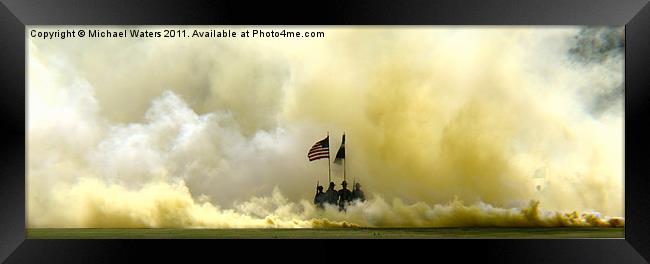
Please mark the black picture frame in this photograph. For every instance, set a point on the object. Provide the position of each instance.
(635, 15)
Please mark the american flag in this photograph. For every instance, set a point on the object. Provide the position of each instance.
(320, 150)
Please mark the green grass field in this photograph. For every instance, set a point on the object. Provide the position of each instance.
(163, 233)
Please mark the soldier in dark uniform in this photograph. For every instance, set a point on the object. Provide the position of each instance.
(357, 194)
(331, 194)
(320, 198)
(345, 196)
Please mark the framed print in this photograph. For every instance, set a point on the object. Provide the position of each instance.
(497, 125)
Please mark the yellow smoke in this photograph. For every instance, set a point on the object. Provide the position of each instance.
(91, 203)
(183, 132)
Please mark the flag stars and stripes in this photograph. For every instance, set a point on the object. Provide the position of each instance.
(320, 150)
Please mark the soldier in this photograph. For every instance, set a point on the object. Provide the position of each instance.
(345, 196)
(320, 198)
(331, 194)
(357, 194)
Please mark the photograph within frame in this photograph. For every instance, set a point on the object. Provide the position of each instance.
(205, 127)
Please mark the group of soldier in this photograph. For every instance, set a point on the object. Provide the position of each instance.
(342, 197)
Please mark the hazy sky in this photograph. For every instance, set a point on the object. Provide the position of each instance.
(444, 126)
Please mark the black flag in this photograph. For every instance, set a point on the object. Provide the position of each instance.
(340, 155)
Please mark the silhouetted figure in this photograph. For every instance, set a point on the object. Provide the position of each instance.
(331, 194)
(345, 196)
(320, 198)
(357, 193)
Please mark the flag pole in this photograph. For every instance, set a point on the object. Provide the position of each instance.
(329, 170)
(346, 154)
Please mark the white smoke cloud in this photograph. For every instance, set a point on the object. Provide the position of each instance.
(214, 133)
